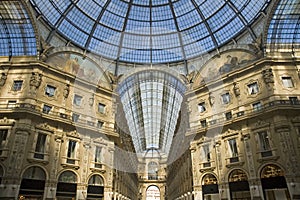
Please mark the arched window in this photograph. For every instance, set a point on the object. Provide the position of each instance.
(152, 193)
(67, 185)
(33, 183)
(210, 188)
(152, 171)
(95, 187)
(238, 185)
(274, 183)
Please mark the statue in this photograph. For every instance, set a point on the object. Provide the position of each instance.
(236, 89)
(66, 91)
(211, 99)
(268, 77)
(3, 79)
(35, 81)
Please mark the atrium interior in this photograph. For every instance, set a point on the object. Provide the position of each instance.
(150, 99)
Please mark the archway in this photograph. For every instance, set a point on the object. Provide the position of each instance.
(152, 193)
(95, 188)
(210, 188)
(66, 186)
(274, 183)
(238, 185)
(33, 183)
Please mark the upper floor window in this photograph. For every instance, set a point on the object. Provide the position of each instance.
(101, 108)
(3, 137)
(264, 143)
(225, 98)
(257, 106)
(253, 88)
(99, 124)
(40, 146)
(228, 115)
(75, 117)
(98, 154)
(201, 107)
(293, 100)
(11, 104)
(71, 152)
(233, 147)
(17, 86)
(206, 153)
(50, 90)
(287, 82)
(47, 109)
(77, 100)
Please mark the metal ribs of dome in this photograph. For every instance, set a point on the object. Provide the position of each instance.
(150, 31)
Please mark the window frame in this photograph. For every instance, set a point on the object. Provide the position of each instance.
(47, 111)
(101, 108)
(226, 98)
(253, 88)
(76, 98)
(50, 94)
(289, 84)
(17, 85)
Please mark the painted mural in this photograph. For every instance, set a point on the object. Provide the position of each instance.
(82, 67)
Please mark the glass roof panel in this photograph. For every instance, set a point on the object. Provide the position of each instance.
(151, 101)
(91, 9)
(284, 29)
(209, 8)
(85, 23)
(17, 36)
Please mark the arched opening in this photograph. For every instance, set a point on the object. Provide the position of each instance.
(66, 186)
(95, 188)
(152, 171)
(1, 174)
(239, 185)
(33, 183)
(152, 193)
(210, 188)
(274, 183)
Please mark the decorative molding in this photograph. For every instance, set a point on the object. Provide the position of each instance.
(229, 132)
(7, 122)
(260, 124)
(45, 127)
(74, 134)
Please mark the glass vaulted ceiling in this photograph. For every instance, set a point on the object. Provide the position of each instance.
(149, 31)
(151, 101)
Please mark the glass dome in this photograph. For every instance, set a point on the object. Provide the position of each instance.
(149, 31)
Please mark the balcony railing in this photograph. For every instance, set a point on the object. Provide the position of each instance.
(66, 116)
(223, 118)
